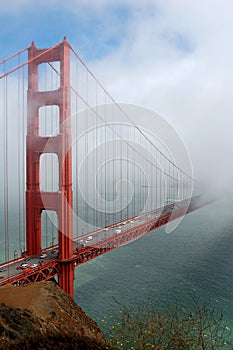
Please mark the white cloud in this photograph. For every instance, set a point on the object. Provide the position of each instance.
(176, 58)
(189, 81)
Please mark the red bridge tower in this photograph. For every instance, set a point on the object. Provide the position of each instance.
(37, 200)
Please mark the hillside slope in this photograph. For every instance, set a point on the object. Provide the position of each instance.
(39, 311)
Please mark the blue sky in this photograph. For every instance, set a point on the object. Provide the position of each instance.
(93, 33)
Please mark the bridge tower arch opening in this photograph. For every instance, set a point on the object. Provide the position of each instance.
(37, 145)
(49, 230)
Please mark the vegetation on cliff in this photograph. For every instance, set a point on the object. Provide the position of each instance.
(169, 329)
(42, 316)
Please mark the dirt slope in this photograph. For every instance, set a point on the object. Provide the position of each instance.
(43, 308)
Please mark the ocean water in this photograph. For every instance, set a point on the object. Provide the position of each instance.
(195, 262)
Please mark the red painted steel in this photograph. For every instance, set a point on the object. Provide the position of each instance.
(44, 272)
(36, 200)
(52, 268)
(61, 201)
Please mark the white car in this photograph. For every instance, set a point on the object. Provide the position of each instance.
(118, 230)
(34, 265)
(22, 266)
(43, 256)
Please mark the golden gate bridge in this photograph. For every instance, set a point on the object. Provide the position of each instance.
(78, 176)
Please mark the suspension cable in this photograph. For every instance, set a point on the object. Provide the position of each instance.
(13, 56)
(113, 129)
(29, 61)
(127, 116)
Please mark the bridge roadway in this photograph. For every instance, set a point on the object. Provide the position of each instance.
(93, 244)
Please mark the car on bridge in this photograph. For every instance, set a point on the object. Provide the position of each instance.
(43, 256)
(34, 265)
(118, 230)
(22, 266)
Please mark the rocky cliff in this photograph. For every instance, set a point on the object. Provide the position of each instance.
(42, 316)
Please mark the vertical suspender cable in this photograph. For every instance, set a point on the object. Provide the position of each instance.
(114, 168)
(96, 156)
(127, 174)
(86, 154)
(160, 181)
(151, 189)
(121, 176)
(145, 183)
(181, 186)
(140, 180)
(169, 182)
(105, 167)
(134, 172)
(165, 181)
(24, 159)
(19, 182)
(51, 127)
(171, 179)
(5, 142)
(76, 160)
(46, 172)
(156, 180)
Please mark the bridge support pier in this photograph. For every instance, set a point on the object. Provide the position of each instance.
(66, 279)
(37, 200)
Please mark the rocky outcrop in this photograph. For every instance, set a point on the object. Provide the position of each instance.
(42, 316)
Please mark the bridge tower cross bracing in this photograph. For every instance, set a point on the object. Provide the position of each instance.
(37, 200)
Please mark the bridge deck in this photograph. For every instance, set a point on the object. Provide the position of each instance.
(94, 244)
